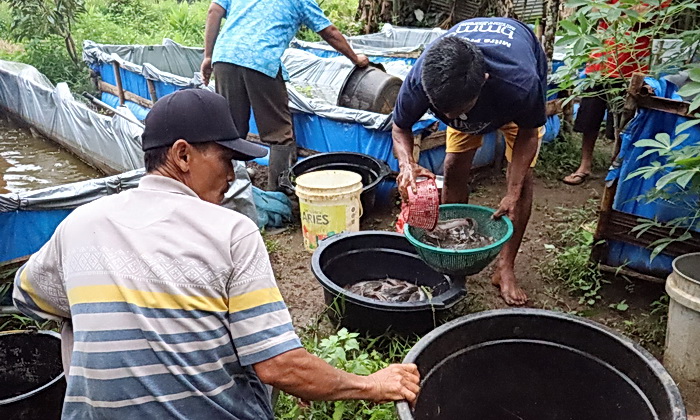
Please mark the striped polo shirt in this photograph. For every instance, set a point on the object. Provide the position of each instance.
(172, 300)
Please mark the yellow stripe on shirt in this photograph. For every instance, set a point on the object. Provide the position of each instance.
(253, 299)
(26, 285)
(145, 299)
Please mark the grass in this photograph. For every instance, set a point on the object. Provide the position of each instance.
(569, 264)
(132, 22)
(649, 327)
(563, 156)
(11, 322)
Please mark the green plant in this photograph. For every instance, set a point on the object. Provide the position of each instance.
(692, 87)
(341, 13)
(649, 329)
(571, 265)
(679, 183)
(38, 19)
(272, 245)
(352, 353)
(614, 46)
(10, 322)
(563, 156)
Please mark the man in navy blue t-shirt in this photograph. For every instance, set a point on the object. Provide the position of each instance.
(483, 75)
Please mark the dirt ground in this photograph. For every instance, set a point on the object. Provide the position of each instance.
(304, 295)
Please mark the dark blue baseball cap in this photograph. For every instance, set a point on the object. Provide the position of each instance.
(197, 116)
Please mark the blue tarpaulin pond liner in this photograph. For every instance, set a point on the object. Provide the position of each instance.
(394, 46)
(27, 220)
(319, 124)
(111, 144)
(646, 125)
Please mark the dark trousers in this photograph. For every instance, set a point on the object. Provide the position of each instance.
(591, 113)
(245, 88)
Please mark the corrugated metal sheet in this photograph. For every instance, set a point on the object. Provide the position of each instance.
(466, 9)
(529, 10)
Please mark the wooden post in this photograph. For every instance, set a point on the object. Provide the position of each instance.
(629, 108)
(152, 90)
(598, 253)
(120, 87)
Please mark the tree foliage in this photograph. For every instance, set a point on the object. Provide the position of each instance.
(38, 19)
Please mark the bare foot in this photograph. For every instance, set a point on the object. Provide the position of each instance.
(505, 280)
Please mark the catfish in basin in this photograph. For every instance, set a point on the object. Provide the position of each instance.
(390, 290)
(458, 234)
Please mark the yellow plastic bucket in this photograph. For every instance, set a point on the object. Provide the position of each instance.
(329, 202)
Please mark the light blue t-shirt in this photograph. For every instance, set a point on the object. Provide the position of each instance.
(257, 32)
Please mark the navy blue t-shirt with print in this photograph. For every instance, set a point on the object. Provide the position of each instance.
(516, 87)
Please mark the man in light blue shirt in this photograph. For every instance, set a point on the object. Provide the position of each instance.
(245, 56)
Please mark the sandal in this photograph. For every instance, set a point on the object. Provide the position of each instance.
(577, 178)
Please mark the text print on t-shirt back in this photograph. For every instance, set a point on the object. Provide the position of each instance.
(479, 32)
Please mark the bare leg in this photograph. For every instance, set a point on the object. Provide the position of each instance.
(588, 144)
(456, 183)
(504, 277)
(584, 169)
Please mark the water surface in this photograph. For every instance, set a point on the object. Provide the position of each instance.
(30, 163)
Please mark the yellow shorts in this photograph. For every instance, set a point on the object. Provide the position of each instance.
(459, 142)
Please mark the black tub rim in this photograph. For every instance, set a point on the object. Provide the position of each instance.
(672, 391)
(47, 385)
(384, 170)
(442, 301)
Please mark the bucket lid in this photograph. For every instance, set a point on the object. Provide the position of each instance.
(329, 180)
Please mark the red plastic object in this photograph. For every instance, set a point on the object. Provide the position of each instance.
(423, 207)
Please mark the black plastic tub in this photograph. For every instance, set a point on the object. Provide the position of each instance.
(32, 384)
(372, 170)
(536, 364)
(351, 257)
(370, 89)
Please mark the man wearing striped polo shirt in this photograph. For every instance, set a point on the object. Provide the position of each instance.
(173, 303)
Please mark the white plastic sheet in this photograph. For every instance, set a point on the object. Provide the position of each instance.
(112, 144)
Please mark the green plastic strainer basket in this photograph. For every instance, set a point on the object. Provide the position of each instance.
(469, 261)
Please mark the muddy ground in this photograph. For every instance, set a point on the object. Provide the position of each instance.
(304, 295)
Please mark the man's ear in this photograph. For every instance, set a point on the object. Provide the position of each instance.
(486, 77)
(181, 154)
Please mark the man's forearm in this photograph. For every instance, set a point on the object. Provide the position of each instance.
(308, 377)
(524, 152)
(211, 30)
(403, 145)
(335, 39)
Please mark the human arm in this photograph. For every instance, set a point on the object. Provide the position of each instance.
(262, 332)
(306, 376)
(335, 39)
(211, 30)
(409, 170)
(411, 104)
(524, 151)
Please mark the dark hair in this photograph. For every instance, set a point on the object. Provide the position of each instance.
(155, 158)
(453, 73)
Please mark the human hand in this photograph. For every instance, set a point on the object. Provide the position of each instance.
(395, 382)
(407, 178)
(361, 61)
(206, 70)
(506, 208)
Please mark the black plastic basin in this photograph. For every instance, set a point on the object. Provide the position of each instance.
(370, 89)
(351, 257)
(372, 170)
(536, 364)
(32, 384)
